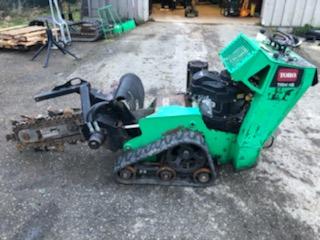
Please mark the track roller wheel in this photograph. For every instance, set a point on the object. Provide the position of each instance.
(202, 175)
(166, 174)
(127, 173)
(186, 158)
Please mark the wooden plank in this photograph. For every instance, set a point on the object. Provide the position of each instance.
(7, 43)
(11, 44)
(12, 33)
(27, 39)
(32, 43)
(29, 35)
(6, 37)
(11, 28)
(33, 39)
(42, 33)
(25, 30)
(28, 44)
(5, 46)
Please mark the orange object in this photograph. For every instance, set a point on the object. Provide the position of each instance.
(245, 11)
(253, 9)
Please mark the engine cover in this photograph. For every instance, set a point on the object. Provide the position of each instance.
(222, 102)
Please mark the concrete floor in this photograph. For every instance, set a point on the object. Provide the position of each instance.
(208, 14)
(72, 195)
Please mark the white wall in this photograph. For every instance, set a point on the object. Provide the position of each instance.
(290, 13)
(137, 9)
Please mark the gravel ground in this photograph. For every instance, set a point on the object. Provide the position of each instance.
(72, 195)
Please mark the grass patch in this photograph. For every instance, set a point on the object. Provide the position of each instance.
(301, 31)
(14, 18)
(27, 15)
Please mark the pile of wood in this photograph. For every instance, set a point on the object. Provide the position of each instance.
(22, 37)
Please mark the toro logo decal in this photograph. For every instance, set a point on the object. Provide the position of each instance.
(287, 77)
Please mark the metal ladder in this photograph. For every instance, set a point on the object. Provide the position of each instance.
(111, 23)
(58, 21)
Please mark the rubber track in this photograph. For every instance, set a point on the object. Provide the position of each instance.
(133, 157)
(77, 36)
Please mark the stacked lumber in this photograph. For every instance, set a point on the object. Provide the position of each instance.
(23, 37)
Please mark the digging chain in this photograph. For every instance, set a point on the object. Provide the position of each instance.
(70, 121)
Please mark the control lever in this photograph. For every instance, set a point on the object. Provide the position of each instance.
(281, 41)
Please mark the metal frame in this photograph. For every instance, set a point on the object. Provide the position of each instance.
(110, 20)
(101, 112)
(58, 21)
(51, 42)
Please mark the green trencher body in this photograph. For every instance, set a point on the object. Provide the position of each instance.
(223, 117)
(276, 84)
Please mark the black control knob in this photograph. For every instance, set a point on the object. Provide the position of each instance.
(262, 31)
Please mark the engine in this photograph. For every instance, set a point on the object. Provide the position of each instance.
(222, 102)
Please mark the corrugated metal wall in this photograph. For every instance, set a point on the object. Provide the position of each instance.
(137, 9)
(290, 13)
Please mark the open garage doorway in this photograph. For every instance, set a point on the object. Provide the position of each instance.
(207, 11)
